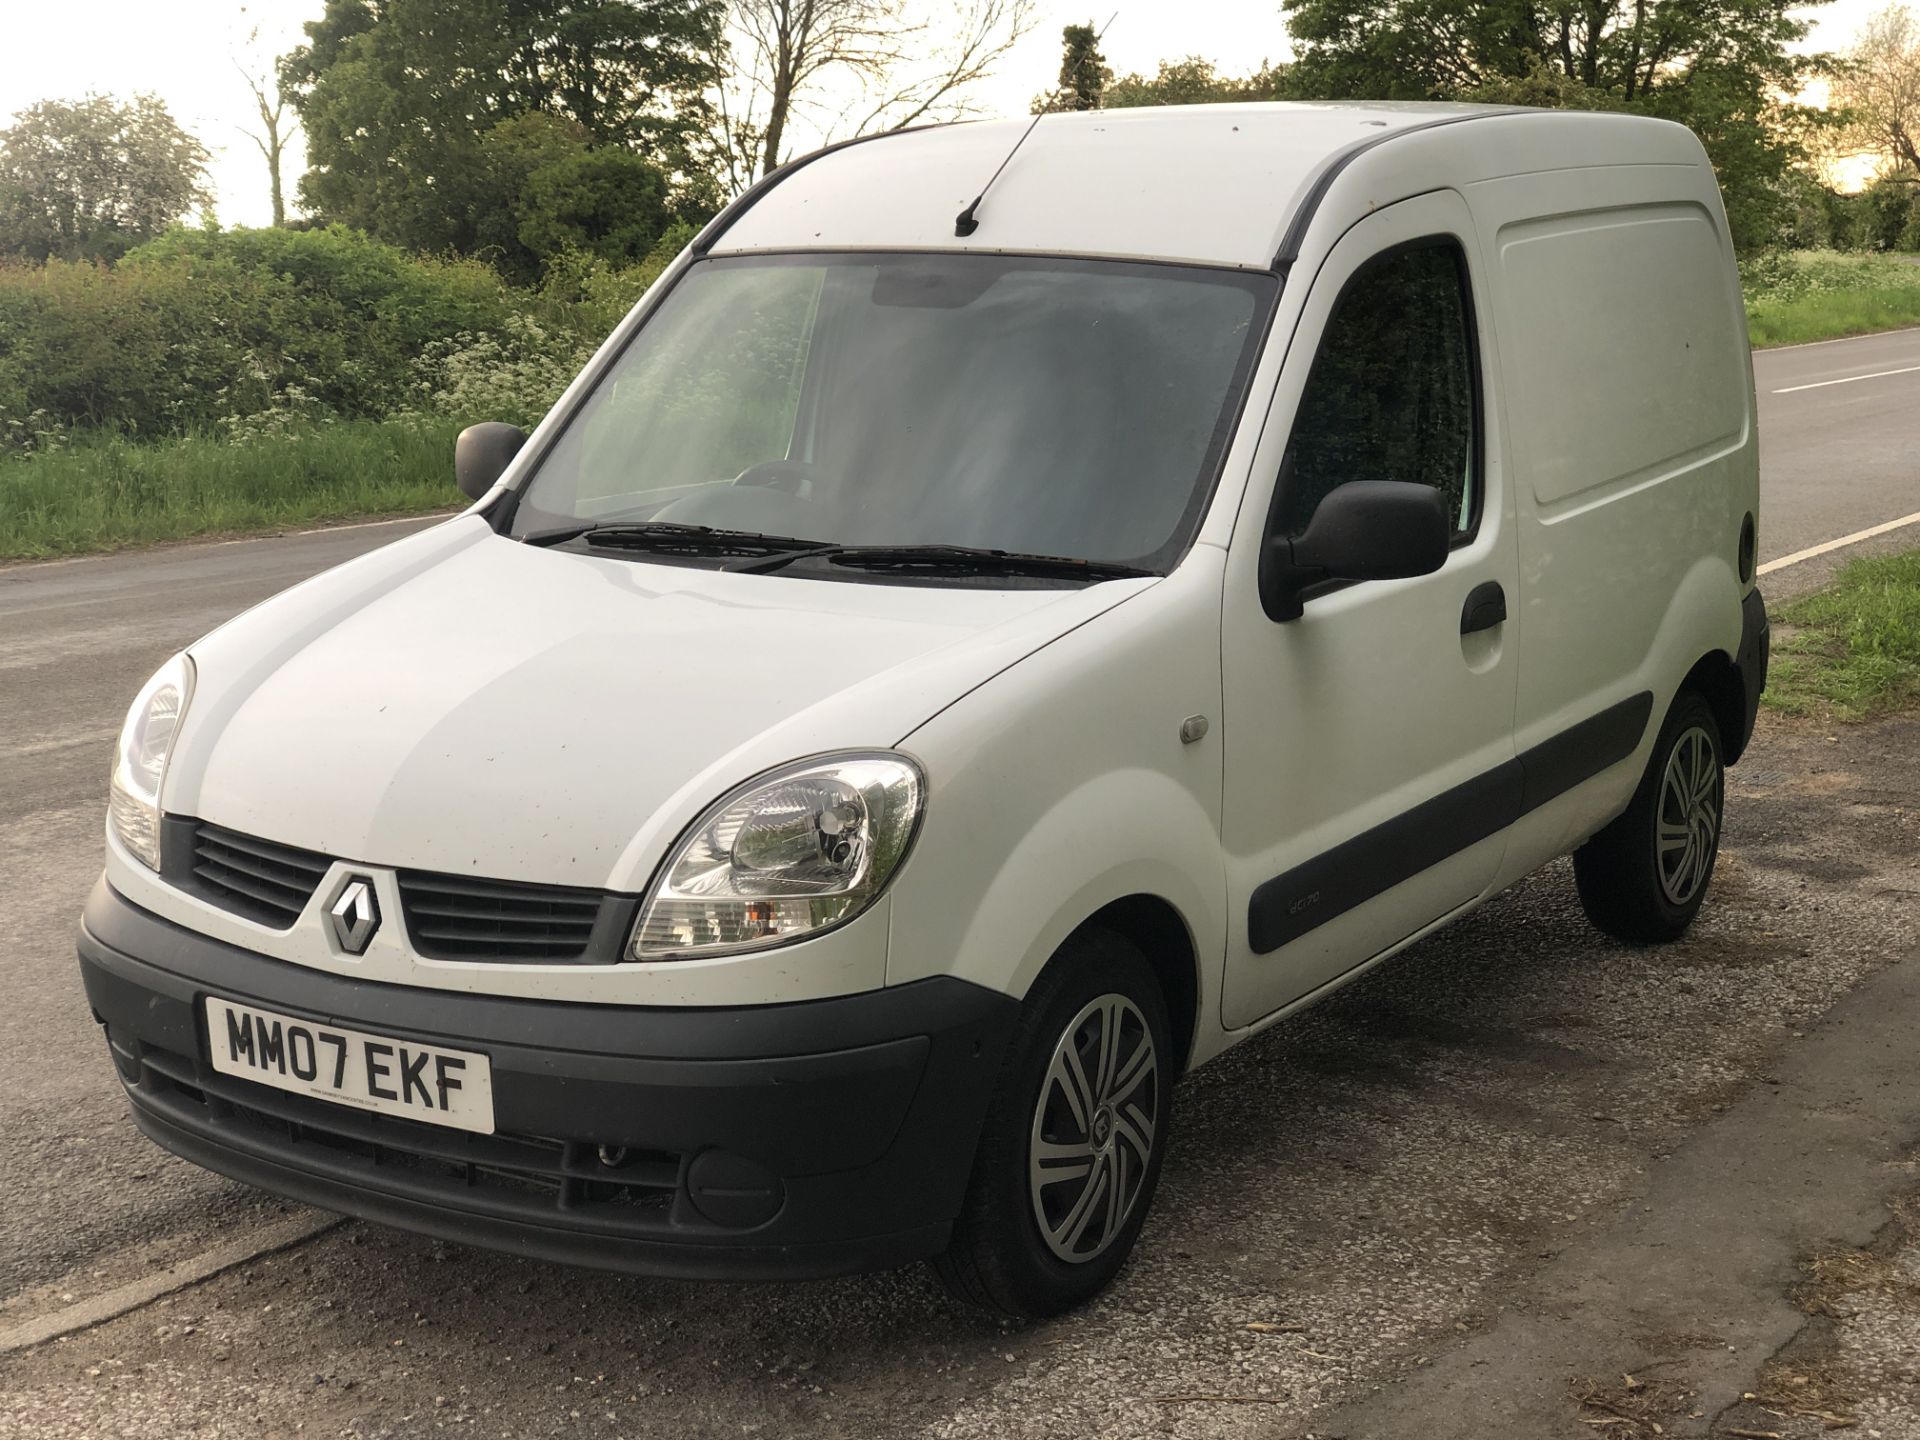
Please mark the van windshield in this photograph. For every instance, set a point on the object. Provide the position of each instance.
(1044, 406)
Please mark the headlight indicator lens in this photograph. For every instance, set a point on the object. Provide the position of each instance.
(140, 760)
(796, 851)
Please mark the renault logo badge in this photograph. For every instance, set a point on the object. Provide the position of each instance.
(354, 915)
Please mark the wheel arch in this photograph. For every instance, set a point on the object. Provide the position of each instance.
(1152, 923)
(1718, 682)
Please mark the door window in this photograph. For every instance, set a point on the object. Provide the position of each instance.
(1392, 392)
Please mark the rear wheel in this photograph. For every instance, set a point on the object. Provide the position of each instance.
(1070, 1153)
(1644, 877)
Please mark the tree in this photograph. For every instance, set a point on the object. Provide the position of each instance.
(90, 179)
(395, 97)
(1083, 69)
(604, 201)
(1193, 81)
(631, 72)
(903, 66)
(1878, 91)
(1720, 66)
(1420, 49)
(400, 98)
(276, 132)
(511, 154)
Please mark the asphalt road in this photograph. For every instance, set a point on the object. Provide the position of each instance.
(90, 1205)
(1839, 445)
(77, 638)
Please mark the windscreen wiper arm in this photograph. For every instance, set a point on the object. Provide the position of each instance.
(666, 537)
(950, 560)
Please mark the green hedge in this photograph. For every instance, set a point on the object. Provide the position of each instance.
(202, 328)
(199, 326)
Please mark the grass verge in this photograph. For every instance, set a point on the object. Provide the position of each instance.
(1833, 316)
(104, 493)
(1852, 650)
(1801, 295)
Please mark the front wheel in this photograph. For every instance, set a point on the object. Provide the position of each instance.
(1070, 1153)
(1644, 877)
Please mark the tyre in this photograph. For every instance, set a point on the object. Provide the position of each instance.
(1643, 877)
(1071, 1149)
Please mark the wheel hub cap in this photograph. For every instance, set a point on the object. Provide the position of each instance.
(1093, 1129)
(1689, 816)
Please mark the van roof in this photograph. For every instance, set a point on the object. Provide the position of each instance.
(1214, 184)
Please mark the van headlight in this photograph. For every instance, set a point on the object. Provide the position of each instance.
(791, 853)
(140, 761)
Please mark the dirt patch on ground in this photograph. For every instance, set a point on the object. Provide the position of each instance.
(1856, 1364)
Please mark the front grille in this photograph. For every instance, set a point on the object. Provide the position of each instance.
(453, 918)
(264, 881)
(520, 1177)
(448, 917)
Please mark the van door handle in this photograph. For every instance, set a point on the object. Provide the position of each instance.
(1486, 607)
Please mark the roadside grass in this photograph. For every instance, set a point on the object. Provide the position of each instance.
(1833, 316)
(106, 492)
(1852, 650)
(1798, 296)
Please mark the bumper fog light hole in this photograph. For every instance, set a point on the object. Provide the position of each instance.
(733, 1191)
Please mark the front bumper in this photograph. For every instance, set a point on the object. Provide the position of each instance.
(759, 1142)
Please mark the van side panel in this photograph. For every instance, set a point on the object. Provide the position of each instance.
(1629, 407)
(1621, 366)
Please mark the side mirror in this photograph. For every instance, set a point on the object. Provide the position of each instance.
(1363, 530)
(482, 453)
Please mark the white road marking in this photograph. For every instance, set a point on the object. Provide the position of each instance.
(1848, 380)
(95, 1309)
(359, 525)
(1845, 540)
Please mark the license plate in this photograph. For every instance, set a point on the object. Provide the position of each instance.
(350, 1067)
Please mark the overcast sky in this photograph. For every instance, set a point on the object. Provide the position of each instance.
(185, 51)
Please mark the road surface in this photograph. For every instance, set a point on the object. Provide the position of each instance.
(76, 640)
(1839, 447)
(1473, 1019)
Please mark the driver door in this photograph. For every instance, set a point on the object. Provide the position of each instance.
(1370, 768)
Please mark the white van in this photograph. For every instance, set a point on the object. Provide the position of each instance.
(1009, 616)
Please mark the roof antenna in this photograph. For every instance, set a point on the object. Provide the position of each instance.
(968, 220)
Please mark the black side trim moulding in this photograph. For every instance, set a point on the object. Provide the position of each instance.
(1374, 861)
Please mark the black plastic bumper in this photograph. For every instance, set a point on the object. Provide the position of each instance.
(773, 1141)
(1756, 644)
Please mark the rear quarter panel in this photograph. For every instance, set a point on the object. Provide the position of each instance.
(1629, 411)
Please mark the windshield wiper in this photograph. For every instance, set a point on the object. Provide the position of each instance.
(664, 537)
(760, 554)
(950, 560)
